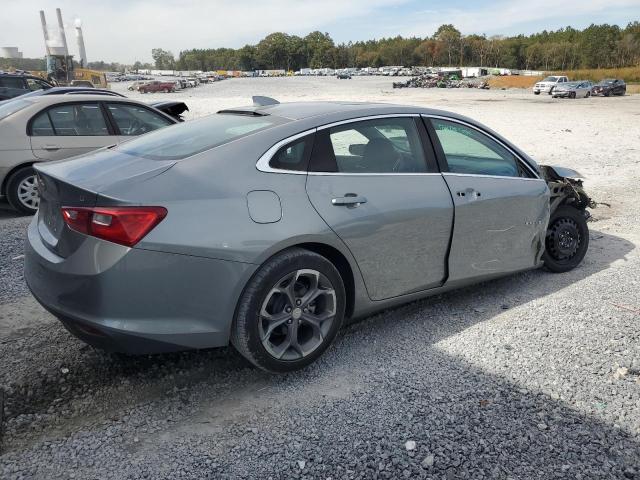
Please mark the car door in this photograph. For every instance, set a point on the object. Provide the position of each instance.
(377, 187)
(501, 206)
(69, 129)
(131, 119)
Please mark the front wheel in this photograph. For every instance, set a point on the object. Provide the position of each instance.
(290, 311)
(22, 191)
(567, 239)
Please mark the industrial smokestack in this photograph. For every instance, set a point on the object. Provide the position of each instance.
(81, 50)
(62, 34)
(43, 21)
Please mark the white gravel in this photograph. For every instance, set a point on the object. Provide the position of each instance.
(535, 376)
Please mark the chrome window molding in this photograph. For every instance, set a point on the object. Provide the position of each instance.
(515, 154)
(504, 177)
(265, 158)
(389, 174)
(364, 119)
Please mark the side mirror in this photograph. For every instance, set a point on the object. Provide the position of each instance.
(357, 149)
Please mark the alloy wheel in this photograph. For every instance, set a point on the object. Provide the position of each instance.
(28, 192)
(297, 314)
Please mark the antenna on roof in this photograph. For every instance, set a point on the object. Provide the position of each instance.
(260, 101)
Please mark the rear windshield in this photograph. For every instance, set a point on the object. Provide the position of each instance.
(190, 138)
(9, 107)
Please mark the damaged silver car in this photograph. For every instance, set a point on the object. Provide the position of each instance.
(268, 225)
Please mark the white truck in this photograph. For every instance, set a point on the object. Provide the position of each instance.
(548, 84)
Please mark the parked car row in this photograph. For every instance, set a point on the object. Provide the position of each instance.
(559, 86)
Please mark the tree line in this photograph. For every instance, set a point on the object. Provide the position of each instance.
(596, 46)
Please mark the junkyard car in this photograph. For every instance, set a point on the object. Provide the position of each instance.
(15, 84)
(54, 127)
(157, 86)
(609, 86)
(549, 84)
(579, 89)
(268, 225)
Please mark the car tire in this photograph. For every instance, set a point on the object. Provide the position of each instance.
(587, 95)
(566, 240)
(280, 326)
(22, 192)
(536, 93)
(572, 95)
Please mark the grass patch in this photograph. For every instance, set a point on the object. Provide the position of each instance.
(628, 74)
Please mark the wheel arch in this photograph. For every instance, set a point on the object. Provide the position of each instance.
(343, 266)
(3, 187)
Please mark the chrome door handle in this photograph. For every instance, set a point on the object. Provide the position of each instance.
(470, 192)
(348, 200)
(51, 148)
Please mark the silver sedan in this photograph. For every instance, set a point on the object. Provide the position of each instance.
(579, 89)
(267, 226)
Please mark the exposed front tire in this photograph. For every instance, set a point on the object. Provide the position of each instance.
(290, 311)
(567, 239)
(536, 93)
(22, 191)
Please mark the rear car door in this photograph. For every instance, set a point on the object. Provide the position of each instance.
(69, 129)
(377, 187)
(501, 205)
(131, 119)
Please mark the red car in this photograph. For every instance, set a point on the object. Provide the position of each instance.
(158, 86)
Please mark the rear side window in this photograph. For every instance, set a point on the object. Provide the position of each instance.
(471, 152)
(190, 138)
(136, 120)
(12, 82)
(294, 156)
(73, 120)
(41, 126)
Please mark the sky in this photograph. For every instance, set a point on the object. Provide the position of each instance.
(126, 30)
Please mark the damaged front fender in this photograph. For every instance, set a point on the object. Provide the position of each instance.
(566, 188)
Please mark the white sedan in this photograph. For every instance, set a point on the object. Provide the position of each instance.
(579, 89)
(54, 127)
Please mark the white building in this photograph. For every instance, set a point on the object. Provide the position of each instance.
(10, 52)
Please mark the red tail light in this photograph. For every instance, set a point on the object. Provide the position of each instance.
(123, 225)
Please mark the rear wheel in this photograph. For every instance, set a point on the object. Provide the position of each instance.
(290, 311)
(588, 95)
(567, 239)
(22, 191)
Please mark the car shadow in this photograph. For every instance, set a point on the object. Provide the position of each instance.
(190, 372)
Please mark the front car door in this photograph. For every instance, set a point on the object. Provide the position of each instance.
(377, 186)
(501, 205)
(69, 129)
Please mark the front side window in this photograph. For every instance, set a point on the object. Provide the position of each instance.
(73, 120)
(471, 152)
(136, 120)
(387, 145)
(35, 84)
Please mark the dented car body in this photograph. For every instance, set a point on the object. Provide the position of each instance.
(268, 225)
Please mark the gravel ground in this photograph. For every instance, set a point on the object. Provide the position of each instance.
(535, 376)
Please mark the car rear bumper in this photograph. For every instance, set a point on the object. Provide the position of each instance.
(139, 301)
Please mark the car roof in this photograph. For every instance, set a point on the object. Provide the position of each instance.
(80, 97)
(347, 110)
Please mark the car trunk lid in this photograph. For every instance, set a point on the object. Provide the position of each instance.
(78, 183)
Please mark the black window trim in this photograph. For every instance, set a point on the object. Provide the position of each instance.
(85, 102)
(442, 160)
